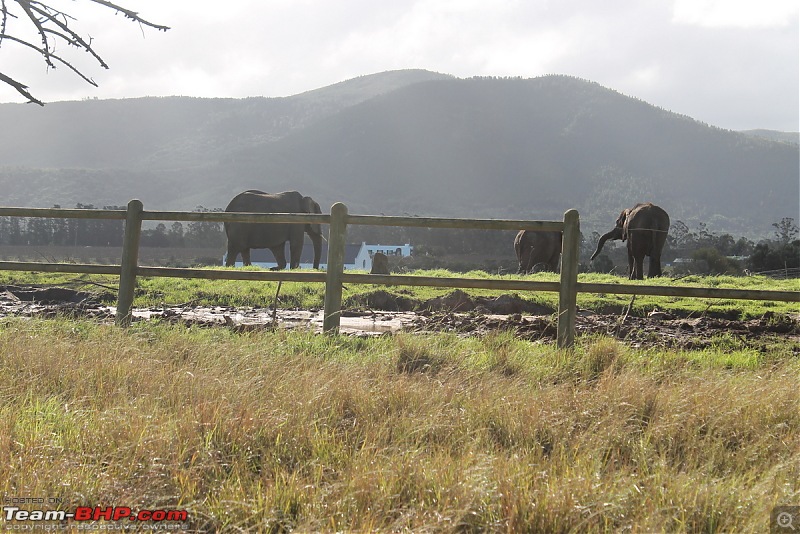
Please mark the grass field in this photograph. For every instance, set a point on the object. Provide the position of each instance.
(279, 431)
(175, 291)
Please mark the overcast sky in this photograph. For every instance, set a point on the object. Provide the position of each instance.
(730, 63)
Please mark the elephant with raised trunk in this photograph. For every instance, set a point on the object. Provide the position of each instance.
(645, 228)
(244, 236)
(537, 249)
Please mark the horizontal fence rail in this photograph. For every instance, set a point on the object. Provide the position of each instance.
(230, 274)
(436, 222)
(64, 213)
(227, 216)
(335, 277)
(74, 268)
(688, 291)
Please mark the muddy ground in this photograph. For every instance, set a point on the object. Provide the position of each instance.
(381, 313)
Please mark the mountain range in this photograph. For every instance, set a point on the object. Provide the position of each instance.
(406, 142)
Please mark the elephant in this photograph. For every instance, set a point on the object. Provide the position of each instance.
(244, 236)
(380, 263)
(645, 228)
(537, 248)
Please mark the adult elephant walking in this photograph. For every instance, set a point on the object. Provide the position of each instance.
(244, 236)
(537, 248)
(645, 228)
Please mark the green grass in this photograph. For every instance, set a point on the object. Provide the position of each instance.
(293, 294)
(272, 431)
(174, 291)
(744, 308)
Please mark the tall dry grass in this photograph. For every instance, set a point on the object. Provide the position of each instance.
(277, 431)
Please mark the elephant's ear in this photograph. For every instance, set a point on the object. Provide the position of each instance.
(310, 205)
(621, 218)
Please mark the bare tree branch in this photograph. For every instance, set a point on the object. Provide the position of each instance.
(53, 26)
(26, 7)
(21, 89)
(72, 39)
(130, 14)
(5, 19)
(53, 56)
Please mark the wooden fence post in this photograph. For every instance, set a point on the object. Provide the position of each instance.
(568, 293)
(129, 263)
(333, 281)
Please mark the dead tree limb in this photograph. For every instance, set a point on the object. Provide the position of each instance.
(52, 26)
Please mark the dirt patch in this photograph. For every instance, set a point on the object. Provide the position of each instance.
(53, 301)
(455, 301)
(688, 334)
(458, 301)
(382, 312)
(51, 295)
(383, 300)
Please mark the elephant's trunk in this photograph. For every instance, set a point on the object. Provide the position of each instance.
(616, 233)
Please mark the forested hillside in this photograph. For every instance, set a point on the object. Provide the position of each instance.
(405, 142)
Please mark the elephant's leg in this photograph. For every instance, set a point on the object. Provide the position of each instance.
(524, 258)
(530, 261)
(521, 261)
(553, 262)
(246, 257)
(638, 273)
(230, 259)
(280, 257)
(295, 251)
(655, 266)
(527, 256)
(631, 266)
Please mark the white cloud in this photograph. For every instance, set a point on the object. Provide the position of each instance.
(703, 58)
(736, 13)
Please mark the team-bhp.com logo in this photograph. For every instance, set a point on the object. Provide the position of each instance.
(94, 514)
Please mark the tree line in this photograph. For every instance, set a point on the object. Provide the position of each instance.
(41, 231)
(701, 250)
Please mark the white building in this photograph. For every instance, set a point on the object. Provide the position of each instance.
(355, 256)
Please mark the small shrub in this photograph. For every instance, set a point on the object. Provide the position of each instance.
(500, 353)
(600, 355)
(414, 355)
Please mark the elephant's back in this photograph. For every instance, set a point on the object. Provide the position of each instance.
(648, 215)
(258, 201)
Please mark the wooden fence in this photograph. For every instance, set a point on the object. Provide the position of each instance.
(568, 287)
(163, 256)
